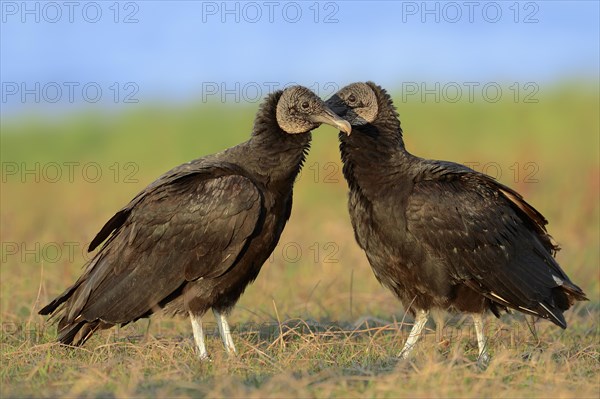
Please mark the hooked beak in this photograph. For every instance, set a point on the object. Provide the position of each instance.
(336, 105)
(330, 118)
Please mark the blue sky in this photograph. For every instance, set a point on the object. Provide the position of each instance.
(174, 51)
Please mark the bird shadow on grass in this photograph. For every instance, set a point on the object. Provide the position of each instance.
(360, 349)
(365, 347)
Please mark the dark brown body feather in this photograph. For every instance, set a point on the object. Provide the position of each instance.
(440, 235)
(193, 239)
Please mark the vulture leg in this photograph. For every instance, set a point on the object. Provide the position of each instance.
(414, 334)
(484, 358)
(198, 336)
(225, 332)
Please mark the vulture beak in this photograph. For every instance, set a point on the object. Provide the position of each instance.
(339, 108)
(330, 118)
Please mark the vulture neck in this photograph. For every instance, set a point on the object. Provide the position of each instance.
(375, 156)
(277, 156)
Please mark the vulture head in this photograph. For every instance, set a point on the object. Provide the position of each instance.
(299, 110)
(368, 107)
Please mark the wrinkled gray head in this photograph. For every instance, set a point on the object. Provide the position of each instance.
(299, 110)
(357, 103)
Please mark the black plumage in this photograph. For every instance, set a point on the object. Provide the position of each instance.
(439, 234)
(198, 235)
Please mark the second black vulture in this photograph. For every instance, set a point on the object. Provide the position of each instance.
(198, 235)
(439, 234)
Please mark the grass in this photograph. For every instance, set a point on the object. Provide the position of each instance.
(315, 323)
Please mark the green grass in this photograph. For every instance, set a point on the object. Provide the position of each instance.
(316, 322)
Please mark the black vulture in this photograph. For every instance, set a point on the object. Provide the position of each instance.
(198, 235)
(439, 234)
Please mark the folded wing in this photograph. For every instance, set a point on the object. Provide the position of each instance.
(192, 226)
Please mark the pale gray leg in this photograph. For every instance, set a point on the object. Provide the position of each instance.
(484, 358)
(225, 332)
(198, 336)
(415, 333)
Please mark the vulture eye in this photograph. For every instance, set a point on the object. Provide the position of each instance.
(351, 98)
(305, 105)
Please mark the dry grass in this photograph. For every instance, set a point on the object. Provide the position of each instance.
(307, 360)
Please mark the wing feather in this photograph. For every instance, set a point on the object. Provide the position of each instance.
(489, 238)
(186, 228)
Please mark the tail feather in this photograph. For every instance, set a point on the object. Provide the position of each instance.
(71, 332)
(67, 333)
(59, 300)
(573, 293)
(77, 333)
(563, 297)
(553, 314)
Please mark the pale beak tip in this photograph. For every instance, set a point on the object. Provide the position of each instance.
(345, 127)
